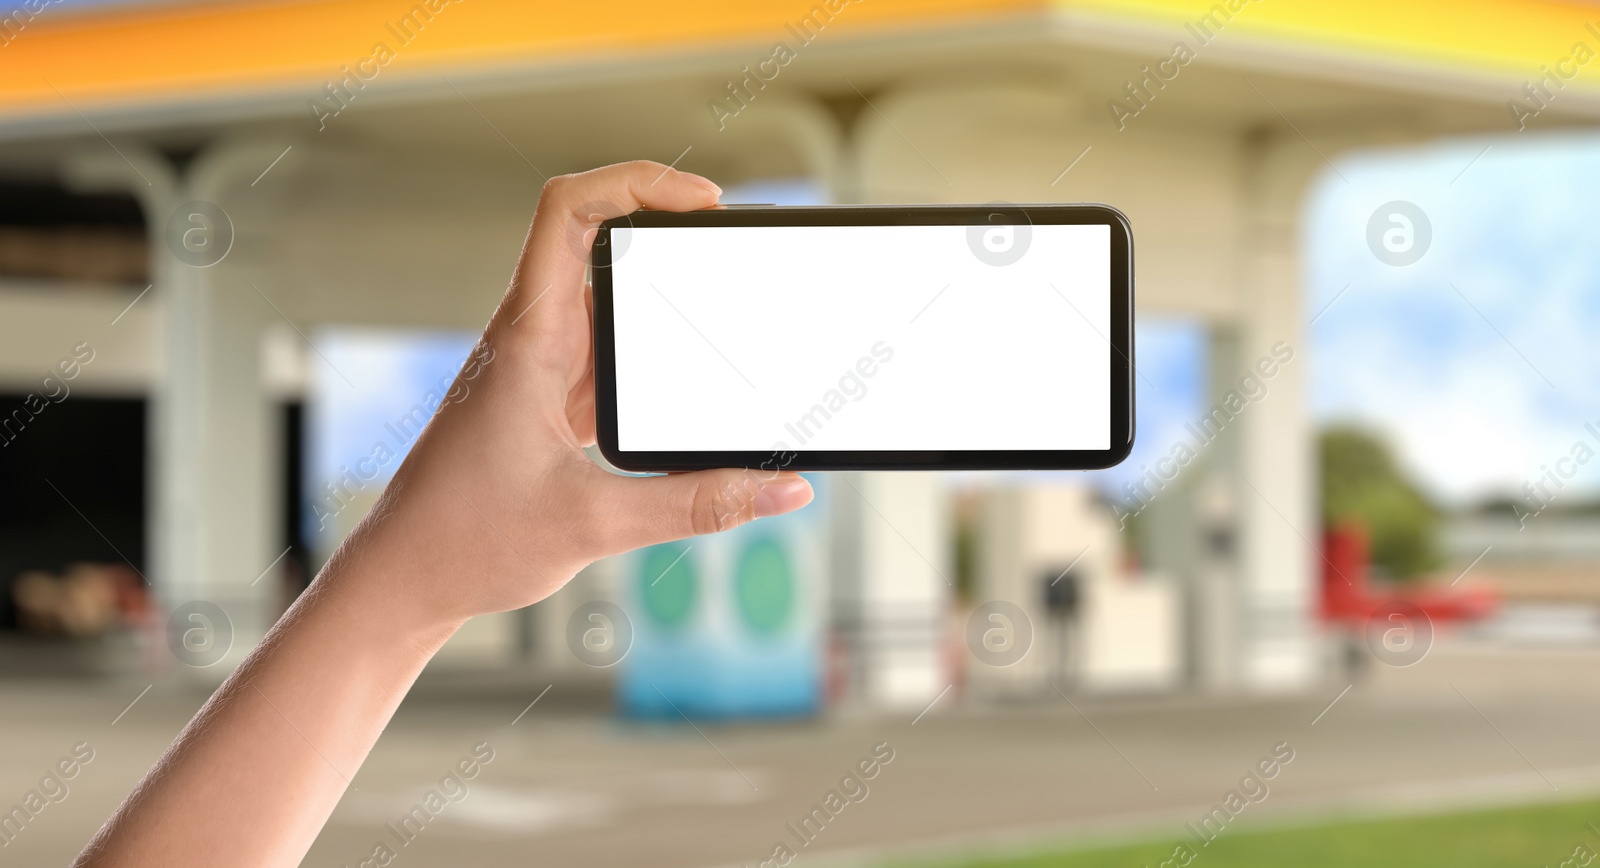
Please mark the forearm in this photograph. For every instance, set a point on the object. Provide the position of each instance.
(256, 773)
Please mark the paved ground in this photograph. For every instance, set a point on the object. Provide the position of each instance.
(1477, 722)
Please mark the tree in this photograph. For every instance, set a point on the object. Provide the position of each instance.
(1361, 482)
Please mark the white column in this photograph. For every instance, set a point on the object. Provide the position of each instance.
(213, 457)
(892, 563)
(1280, 528)
(176, 423)
(1220, 599)
(892, 584)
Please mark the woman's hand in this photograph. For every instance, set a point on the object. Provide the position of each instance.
(495, 508)
(497, 498)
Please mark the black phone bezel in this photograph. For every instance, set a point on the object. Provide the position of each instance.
(1120, 341)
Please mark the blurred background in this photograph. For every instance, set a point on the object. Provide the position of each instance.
(244, 247)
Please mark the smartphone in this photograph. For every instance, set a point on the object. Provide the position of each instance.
(930, 337)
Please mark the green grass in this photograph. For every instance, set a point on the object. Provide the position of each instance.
(1531, 836)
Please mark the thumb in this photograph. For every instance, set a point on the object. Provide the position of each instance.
(649, 510)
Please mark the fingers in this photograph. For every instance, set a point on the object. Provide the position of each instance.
(659, 509)
(571, 208)
(544, 319)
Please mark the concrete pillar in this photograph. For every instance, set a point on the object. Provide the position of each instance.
(212, 445)
(893, 580)
(891, 566)
(892, 563)
(1193, 533)
(1219, 597)
(1279, 524)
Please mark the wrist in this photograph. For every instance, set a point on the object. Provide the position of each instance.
(371, 587)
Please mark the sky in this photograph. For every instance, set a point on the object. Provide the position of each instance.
(1478, 360)
(367, 382)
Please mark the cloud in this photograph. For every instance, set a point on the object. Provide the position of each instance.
(1450, 357)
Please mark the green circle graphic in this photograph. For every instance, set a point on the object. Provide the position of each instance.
(667, 583)
(764, 586)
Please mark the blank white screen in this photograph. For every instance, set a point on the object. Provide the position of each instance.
(754, 339)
